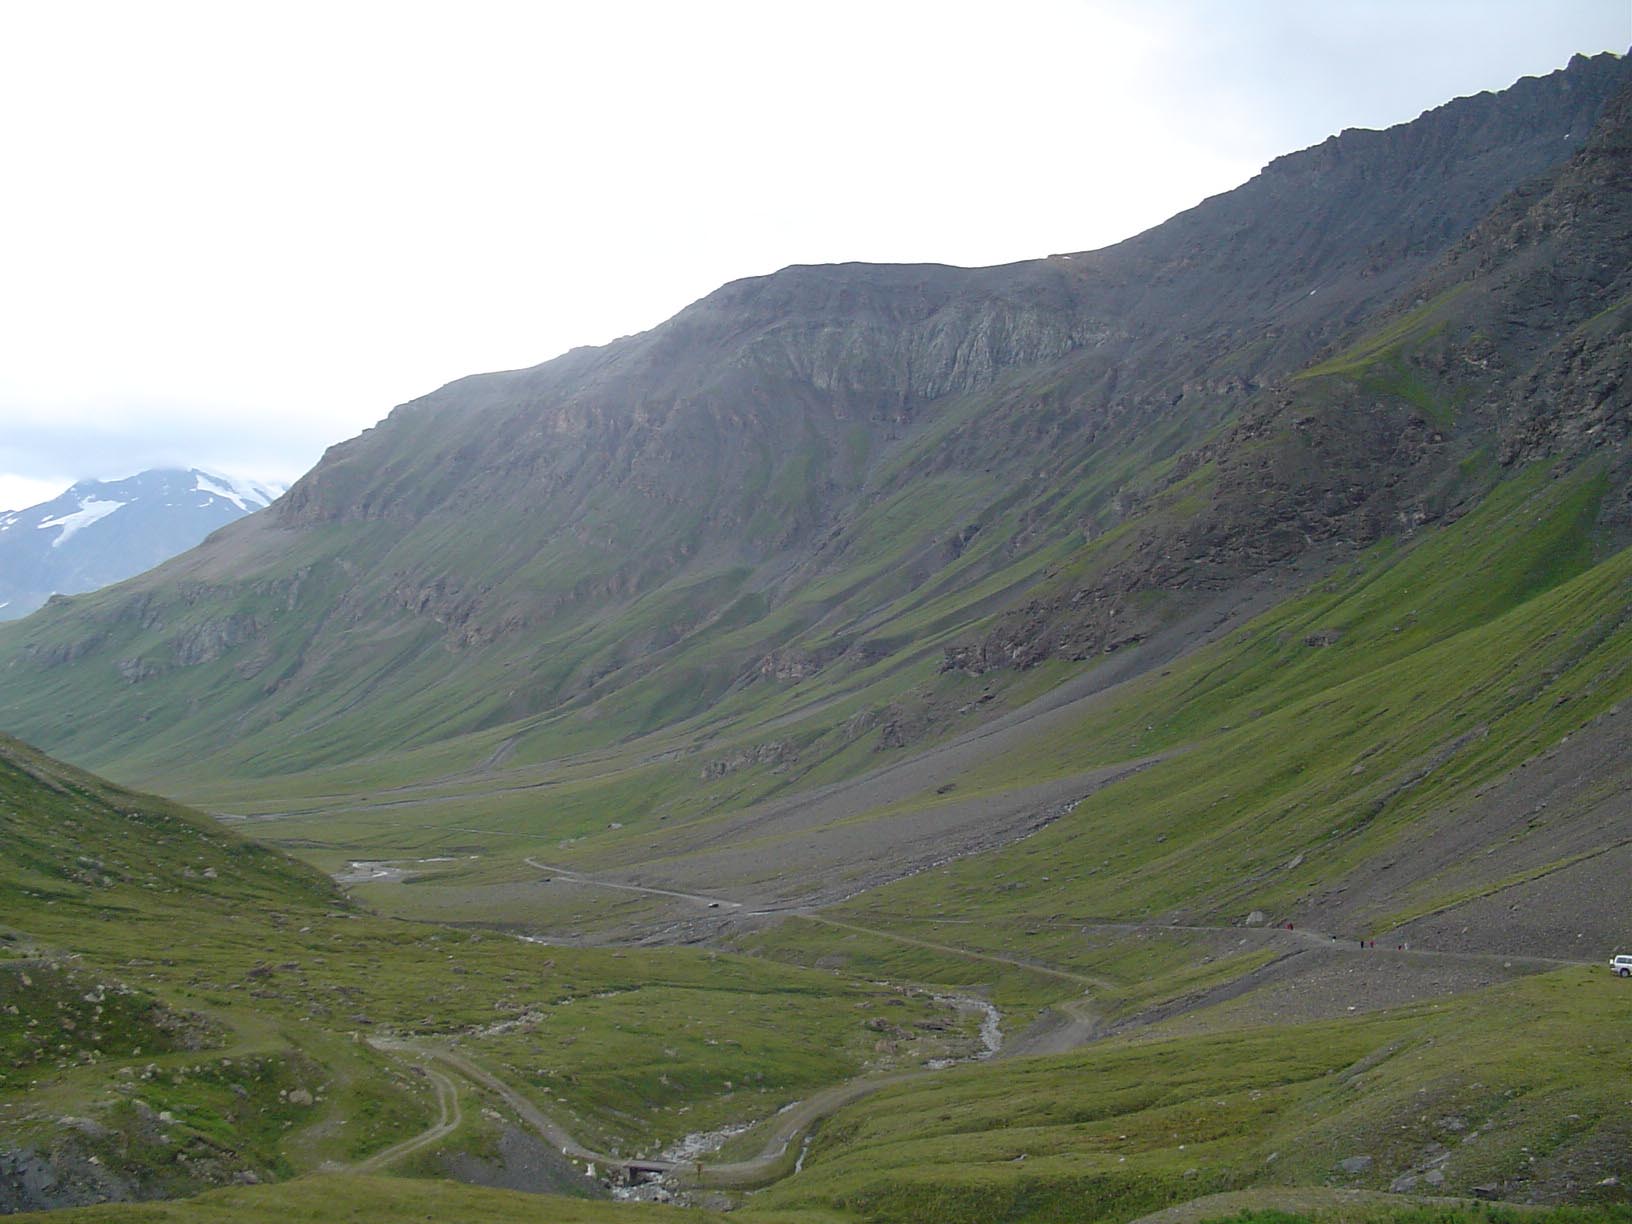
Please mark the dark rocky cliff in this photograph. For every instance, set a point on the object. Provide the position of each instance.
(1512, 347)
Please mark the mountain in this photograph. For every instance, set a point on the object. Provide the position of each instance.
(102, 531)
(1136, 730)
(835, 472)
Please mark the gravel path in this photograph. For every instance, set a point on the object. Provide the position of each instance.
(449, 1116)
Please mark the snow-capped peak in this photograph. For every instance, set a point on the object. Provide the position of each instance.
(137, 522)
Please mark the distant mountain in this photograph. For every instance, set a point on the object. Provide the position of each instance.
(103, 531)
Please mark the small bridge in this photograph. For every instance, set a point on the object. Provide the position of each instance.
(634, 1172)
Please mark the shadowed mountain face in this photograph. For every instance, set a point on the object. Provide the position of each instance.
(103, 531)
(876, 470)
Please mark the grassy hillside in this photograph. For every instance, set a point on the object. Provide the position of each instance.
(186, 1007)
(1494, 1092)
(1447, 665)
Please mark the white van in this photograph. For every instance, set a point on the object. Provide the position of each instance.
(1622, 965)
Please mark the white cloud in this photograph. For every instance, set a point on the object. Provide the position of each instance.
(21, 492)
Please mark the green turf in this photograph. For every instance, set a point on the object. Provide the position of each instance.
(1491, 1089)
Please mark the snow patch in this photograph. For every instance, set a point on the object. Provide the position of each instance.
(90, 510)
(247, 495)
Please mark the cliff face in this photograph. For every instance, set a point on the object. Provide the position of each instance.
(1511, 348)
(779, 479)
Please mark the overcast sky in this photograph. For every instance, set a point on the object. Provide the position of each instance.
(232, 234)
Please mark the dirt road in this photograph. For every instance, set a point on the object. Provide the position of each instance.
(547, 1127)
(578, 877)
(449, 1116)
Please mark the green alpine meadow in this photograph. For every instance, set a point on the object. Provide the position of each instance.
(1141, 734)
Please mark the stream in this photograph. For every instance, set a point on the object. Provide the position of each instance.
(991, 1030)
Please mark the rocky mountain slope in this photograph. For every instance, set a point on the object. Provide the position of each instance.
(840, 472)
(102, 531)
(1511, 349)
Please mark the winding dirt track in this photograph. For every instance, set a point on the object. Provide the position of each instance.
(450, 1115)
(547, 1127)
